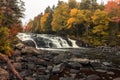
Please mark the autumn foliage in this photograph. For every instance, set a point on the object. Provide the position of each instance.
(92, 22)
(10, 23)
(113, 7)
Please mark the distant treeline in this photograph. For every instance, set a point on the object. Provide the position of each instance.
(89, 21)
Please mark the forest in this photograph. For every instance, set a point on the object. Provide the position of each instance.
(88, 21)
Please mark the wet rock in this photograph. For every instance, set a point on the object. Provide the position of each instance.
(29, 43)
(58, 68)
(117, 78)
(74, 65)
(4, 75)
(93, 77)
(19, 46)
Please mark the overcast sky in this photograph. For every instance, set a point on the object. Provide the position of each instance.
(35, 7)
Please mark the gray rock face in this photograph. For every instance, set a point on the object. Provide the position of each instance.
(4, 75)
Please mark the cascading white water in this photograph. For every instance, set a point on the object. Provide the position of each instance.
(47, 41)
(73, 43)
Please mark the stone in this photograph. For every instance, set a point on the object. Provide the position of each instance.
(23, 73)
(74, 65)
(107, 64)
(4, 75)
(73, 75)
(30, 66)
(58, 68)
(18, 59)
(78, 54)
(19, 46)
(29, 43)
(110, 73)
(17, 52)
(63, 57)
(17, 66)
(101, 71)
(93, 77)
(96, 64)
(74, 71)
(117, 78)
(43, 77)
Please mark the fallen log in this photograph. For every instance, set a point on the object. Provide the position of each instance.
(11, 67)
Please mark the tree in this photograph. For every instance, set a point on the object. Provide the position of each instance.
(113, 8)
(73, 4)
(12, 11)
(46, 22)
(76, 17)
(100, 31)
(60, 16)
(75, 22)
(36, 27)
(89, 5)
(29, 26)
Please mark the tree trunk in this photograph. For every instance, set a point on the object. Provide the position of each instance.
(12, 68)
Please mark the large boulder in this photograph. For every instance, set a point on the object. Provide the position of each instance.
(30, 50)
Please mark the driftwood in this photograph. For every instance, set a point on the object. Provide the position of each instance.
(12, 68)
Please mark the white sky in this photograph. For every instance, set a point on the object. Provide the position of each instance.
(35, 7)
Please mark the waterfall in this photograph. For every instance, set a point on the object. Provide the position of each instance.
(74, 43)
(47, 41)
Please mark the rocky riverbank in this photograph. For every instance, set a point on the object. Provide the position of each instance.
(34, 64)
